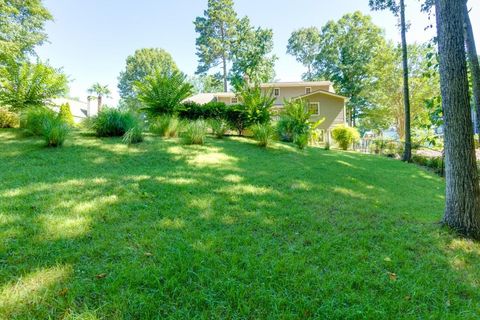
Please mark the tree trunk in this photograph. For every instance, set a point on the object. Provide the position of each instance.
(462, 208)
(407, 154)
(224, 60)
(99, 100)
(474, 64)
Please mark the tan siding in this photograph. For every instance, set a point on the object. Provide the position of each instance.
(331, 108)
(292, 92)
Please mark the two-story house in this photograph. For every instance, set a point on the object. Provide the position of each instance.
(322, 100)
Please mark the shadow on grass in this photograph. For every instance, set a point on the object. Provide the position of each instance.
(223, 230)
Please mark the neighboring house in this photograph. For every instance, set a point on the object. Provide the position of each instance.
(80, 109)
(322, 100)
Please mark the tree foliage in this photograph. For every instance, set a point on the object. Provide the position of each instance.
(22, 25)
(143, 63)
(304, 45)
(217, 31)
(252, 58)
(240, 50)
(24, 85)
(386, 107)
(206, 83)
(348, 47)
(163, 93)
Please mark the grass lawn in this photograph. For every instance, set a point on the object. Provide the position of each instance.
(99, 230)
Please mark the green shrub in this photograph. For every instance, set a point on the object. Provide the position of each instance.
(237, 118)
(55, 131)
(435, 163)
(263, 133)
(219, 127)
(8, 119)
(113, 122)
(66, 114)
(166, 126)
(195, 132)
(286, 128)
(195, 111)
(33, 119)
(294, 124)
(133, 135)
(345, 136)
(301, 140)
(257, 104)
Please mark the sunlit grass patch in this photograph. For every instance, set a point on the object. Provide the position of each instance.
(31, 290)
(226, 230)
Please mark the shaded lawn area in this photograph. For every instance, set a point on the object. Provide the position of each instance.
(100, 230)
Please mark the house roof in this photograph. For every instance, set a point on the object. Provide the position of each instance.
(296, 84)
(325, 92)
(203, 98)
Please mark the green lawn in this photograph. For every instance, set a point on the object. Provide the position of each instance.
(99, 230)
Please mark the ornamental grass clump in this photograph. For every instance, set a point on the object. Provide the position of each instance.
(113, 122)
(195, 132)
(264, 134)
(166, 126)
(219, 127)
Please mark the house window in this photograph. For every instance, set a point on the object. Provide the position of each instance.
(308, 90)
(314, 108)
(234, 100)
(276, 92)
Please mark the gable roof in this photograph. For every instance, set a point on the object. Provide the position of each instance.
(325, 92)
(296, 84)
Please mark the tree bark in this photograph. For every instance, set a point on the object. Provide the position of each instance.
(224, 60)
(473, 62)
(407, 154)
(99, 107)
(462, 208)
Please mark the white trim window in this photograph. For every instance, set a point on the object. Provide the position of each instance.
(308, 90)
(314, 108)
(234, 100)
(276, 92)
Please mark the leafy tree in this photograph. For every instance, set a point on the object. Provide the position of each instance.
(24, 85)
(217, 31)
(22, 25)
(252, 58)
(304, 45)
(347, 49)
(473, 62)
(386, 103)
(163, 93)
(395, 7)
(206, 83)
(462, 208)
(99, 91)
(143, 63)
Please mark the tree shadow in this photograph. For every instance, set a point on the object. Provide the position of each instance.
(223, 230)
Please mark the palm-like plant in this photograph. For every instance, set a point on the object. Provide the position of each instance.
(25, 85)
(257, 103)
(163, 93)
(100, 91)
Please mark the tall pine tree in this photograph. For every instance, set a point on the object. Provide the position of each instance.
(217, 33)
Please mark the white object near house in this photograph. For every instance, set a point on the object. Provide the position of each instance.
(80, 109)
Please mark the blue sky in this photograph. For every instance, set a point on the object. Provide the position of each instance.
(91, 39)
